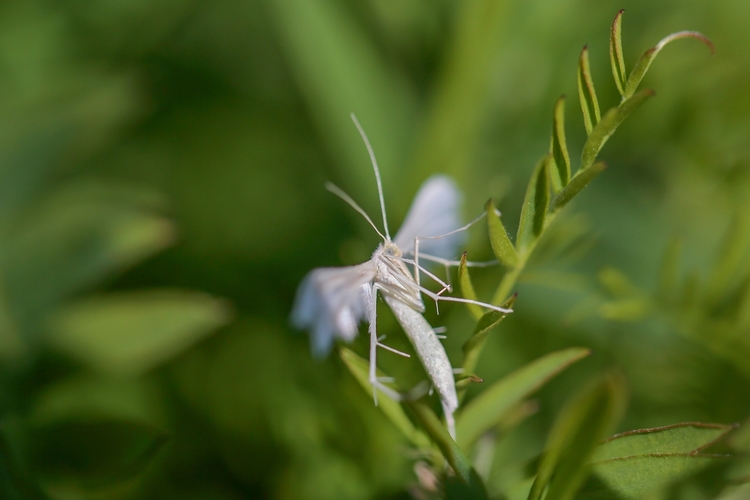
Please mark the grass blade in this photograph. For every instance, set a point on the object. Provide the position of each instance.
(586, 92)
(559, 158)
(616, 55)
(358, 367)
(604, 130)
(491, 406)
(586, 419)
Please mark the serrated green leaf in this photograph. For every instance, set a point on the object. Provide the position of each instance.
(641, 67)
(488, 408)
(448, 447)
(535, 205)
(586, 92)
(607, 126)
(576, 185)
(584, 421)
(669, 271)
(616, 56)
(635, 477)
(359, 368)
(472, 348)
(688, 437)
(467, 288)
(501, 244)
(132, 332)
(559, 169)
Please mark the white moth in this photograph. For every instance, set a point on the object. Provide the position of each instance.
(331, 302)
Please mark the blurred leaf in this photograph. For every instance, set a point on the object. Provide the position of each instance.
(501, 244)
(607, 126)
(641, 67)
(733, 260)
(453, 121)
(630, 309)
(559, 168)
(452, 453)
(689, 437)
(91, 454)
(339, 71)
(586, 419)
(586, 92)
(488, 408)
(467, 288)
(616, 283)
(534, 210)
(66, 247)
(616, 56)
(576, 185)
(132, 332)
(472, 348)
(359, 368)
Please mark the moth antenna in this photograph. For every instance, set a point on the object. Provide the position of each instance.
(377, 173)
(341, 194)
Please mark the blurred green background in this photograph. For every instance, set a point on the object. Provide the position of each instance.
(161, 196)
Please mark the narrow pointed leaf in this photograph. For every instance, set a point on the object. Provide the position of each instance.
(604, 130)
(586, 92)
(576, 185)
(535, 205)
(491, 406)
(641, 67)
(616, 55)
(467, 288)
(584, 421)
(359, 367)
(688, 437)
(559, 170)
(501, 244)
(448, 447)
(473, 347)
(733, 261)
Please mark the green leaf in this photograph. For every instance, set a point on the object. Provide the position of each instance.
(501, 244)
(359, 368)
(584, 421)
(586, 92)
(488, 408)
(132, 332)
(535, 205)
(634, 477)
(91, 454)
(732, 262)
(616, 56)
(604, 130)
(641, 67)
(559, 169)
(467, 288)
(576, 185)
(473, 346)
(630, 309)
(616, 283)
(448, 447)
(688, 437)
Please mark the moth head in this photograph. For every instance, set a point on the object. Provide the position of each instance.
(390, 249)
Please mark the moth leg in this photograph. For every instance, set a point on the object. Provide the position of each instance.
(375, 382)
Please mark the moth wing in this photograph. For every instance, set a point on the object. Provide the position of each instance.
(331, 302)
(433, 212)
